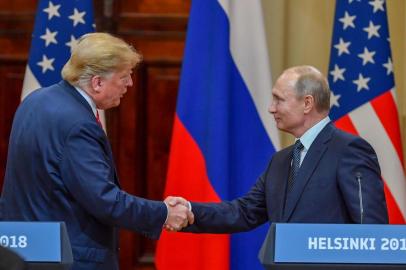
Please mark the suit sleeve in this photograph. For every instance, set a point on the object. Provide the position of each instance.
(89, 177)
(360, 158)
(242, 214)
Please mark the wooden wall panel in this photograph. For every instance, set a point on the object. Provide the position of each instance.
(16, 22)
(149, 7)
(11, 75)
(18, 6)
(163, 78)
(157, 29)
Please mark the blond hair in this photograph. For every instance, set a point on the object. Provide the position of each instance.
(98, 54)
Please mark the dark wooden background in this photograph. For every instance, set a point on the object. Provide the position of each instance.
(140, 129)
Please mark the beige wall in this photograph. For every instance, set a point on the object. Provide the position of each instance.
(299, 32)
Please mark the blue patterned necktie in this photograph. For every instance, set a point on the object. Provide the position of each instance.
(297, 149)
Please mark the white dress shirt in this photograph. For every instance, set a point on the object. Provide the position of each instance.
(88, 99)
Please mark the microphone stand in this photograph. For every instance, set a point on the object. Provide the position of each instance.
(358, 175)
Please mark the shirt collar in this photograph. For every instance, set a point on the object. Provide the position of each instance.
(311, 134)
(88, 99)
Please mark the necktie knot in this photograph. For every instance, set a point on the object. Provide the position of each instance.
(298, 146)
(98, 118)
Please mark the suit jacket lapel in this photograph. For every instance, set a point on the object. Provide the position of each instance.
(277, 184)
(117, 180)
(72, 91)
(309, 164)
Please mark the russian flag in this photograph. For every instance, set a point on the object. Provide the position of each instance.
(223, 135)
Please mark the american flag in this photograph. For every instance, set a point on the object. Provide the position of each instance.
(58, 26)
(363, 95)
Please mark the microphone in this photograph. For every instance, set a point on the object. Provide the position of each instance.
(358, 175)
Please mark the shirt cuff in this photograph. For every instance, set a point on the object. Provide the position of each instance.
(189, 205)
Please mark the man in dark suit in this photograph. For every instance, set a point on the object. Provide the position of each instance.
(60, 166)
(313, 181)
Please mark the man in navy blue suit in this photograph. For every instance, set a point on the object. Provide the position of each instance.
(316, 180)
(60, 166)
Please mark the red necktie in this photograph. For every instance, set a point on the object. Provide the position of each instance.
(98, 118)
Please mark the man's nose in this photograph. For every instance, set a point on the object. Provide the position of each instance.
(272, 108)
(130, 81)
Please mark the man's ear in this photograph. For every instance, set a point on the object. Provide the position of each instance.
(96, 83)
(308, 103)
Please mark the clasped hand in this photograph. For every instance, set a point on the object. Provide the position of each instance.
(179, 214)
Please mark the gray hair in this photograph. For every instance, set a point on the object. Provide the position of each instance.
(312, 82)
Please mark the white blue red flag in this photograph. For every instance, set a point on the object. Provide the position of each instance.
(363, 90)
(58, 26)
(223, 135)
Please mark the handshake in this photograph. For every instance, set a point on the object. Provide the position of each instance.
(179, 213)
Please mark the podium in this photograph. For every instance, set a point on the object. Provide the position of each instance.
(334, 246)
(42, 245)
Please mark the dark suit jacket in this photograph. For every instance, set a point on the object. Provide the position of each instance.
(60, 168)
(10, 260)
(325, 190)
